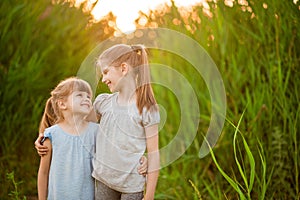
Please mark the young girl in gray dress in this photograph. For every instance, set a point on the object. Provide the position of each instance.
(128, 126)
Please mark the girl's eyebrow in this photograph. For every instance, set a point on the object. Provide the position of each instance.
(105, 70)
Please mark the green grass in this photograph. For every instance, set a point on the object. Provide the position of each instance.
(257, 54)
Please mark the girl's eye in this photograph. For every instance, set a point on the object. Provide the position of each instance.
(104, 72)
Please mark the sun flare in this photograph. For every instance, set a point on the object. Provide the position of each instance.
(127, 12)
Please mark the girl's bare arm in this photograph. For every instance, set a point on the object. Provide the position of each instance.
(43, 174)
(153, 160)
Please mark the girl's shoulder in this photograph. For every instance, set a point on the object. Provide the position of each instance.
(104, 97)
(93, 125)
(50, 131)
(93, 129)
(150, 116)
(52, 128)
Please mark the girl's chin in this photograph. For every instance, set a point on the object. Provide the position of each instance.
(113, 89)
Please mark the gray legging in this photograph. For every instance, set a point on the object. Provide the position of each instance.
(103, 192)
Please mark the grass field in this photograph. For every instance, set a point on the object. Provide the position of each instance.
(256, 48)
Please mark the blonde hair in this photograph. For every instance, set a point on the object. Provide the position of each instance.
(136, 56)
(52, 113)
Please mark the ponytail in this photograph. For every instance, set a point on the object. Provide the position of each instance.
(49, 117)
(144, 92)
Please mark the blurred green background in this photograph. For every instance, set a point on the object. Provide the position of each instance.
(256, 46)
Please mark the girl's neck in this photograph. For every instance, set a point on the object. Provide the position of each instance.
(126, 98)
(127, 94)
(73, 124)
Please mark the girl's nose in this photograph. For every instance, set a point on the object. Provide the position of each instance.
(87, 98)
(103, 79)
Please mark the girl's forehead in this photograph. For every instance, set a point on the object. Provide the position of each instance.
(81, 88)
(104, 67)
(80, 91)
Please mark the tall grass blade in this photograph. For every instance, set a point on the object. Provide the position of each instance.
(252, 165)
(230, 180)
(196, 190)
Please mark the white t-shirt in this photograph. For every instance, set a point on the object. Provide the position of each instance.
(121, 143)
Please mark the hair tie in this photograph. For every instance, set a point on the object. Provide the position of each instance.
(138, 52)
(136, 49)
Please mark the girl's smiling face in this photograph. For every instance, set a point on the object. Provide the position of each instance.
(111, 76)
(79, 102)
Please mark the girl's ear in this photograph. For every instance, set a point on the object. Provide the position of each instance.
(124, 68)
(61, 105)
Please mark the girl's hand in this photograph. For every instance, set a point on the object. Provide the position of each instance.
(41, 150)
(143, 168)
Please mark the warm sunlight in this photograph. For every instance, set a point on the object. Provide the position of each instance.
(127, 12)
